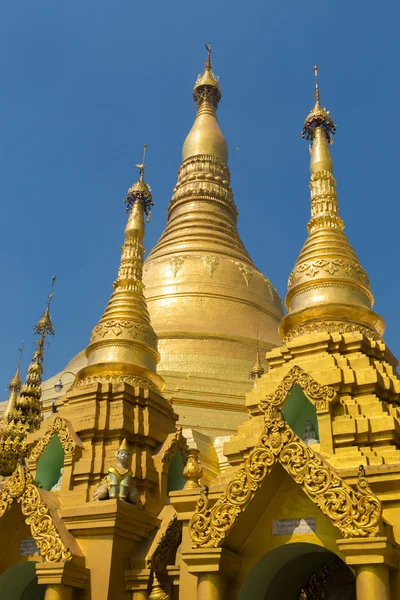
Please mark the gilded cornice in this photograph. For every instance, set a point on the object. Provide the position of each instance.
(356, 513)
(20, 487)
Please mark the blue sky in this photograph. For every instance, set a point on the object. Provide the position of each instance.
(85, 84)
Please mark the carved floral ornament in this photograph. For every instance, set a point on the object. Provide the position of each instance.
(20, 487)
(319, 395)
(59, 427)
(337, 267)
(178, 443)
(169, 541)
(355, 513)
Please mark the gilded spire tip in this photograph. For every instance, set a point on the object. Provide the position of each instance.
(207, 88)
(318, 117)
(44, 326)
(140, 191)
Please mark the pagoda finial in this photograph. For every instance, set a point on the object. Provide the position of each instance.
(208, 66)
(257, 370)
(26, 414)
(14, 386)
(328, 289)
(205, 137)
(318, 117)
(123, 345)
(317, 92)
(140, 191)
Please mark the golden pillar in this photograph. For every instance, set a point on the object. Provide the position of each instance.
(58, 592)
(213, 568)
(211, 586)
(372, 582)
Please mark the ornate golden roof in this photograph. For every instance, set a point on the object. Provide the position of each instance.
(123, 345)
(328, 288)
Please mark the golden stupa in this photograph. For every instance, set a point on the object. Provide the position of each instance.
(108, 499)
(205, 297)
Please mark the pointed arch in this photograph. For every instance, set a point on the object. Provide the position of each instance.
(20, 488)
(355, 513)
(66, 434)
(321, 396)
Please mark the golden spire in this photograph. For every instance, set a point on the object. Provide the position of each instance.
(14, 386)
(123, 346)
(26, 415)
(257, 370)
(205, 137)
(328, 289)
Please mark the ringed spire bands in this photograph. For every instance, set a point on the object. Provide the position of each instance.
(205, 296)
(328, 289)
(123, 345)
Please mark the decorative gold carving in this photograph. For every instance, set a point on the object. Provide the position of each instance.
(60, 428)
(337, 576)
(354, 513)
(331, 327)
(320, 395)
(193, 470)
(20, 487)
(175, 264)
(178, 443)
(345, 269)
(169, 542)
(245, 270)
(116, 379)
(116, 327)
(211, 263)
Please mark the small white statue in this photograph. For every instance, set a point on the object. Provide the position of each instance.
(309, 436)
(118, 483)
(57, 486)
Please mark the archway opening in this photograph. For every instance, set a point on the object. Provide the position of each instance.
(176, 481)
(299, 570)
(50, 463)
(299, 411)
(19, 582)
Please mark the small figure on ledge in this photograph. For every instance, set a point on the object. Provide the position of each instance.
(309, 436)
(57, 487)
(118, 483)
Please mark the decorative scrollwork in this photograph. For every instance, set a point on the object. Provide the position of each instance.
(320, 395)
(20, 487)
(355, 513)
(178, 443)
(330, 327)
(169, 541)
(59, 427)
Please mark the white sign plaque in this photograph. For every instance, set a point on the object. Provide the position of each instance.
(293, 526)
(28, 547)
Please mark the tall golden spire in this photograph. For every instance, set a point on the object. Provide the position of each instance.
(14, 386)
(328, 289)
(205, 137)
(123, 345)
(26, 415)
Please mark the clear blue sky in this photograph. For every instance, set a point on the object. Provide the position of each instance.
(85, 84)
